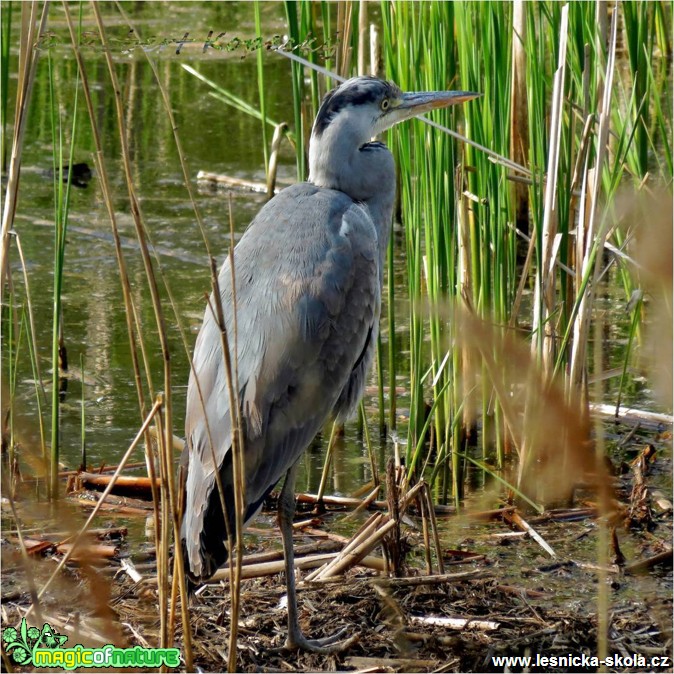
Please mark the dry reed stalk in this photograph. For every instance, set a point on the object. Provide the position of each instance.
(365, 503)
(238, 465)
(234, 538)
(271, 568)
(161, 533)
(141, 484)
(142, 236)
(465, 281)
(345, 501)
(522, 524)
(78, 537)
(544, 342)
(65, 536)
(345, 53)
(112, 509)
(321, 547)
(365, 540)
(130, 313)
(426, 534)
(279, 133)
(365, 531)
(334, 435)
(457, 623)
(219, 179)
(418, 581)
(375, 52)
(91, 553)
(361, 664)
(434, 528)
(363, 31)
(594, 232)
(179, 562)
(519, 119)
(345, 560)
(28, 57)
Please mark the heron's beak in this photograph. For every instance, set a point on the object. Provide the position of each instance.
(416, 103)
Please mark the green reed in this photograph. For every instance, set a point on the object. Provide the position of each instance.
(261, 88)
(427, 204)
(297, 80)
(62, 186)
(461, 210)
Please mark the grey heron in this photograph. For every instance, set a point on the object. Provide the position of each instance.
(308, 273)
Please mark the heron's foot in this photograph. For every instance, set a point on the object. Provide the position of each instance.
(332, 644)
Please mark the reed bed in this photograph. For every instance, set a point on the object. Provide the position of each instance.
(522, 235)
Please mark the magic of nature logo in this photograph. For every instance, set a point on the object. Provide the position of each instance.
(31, 646)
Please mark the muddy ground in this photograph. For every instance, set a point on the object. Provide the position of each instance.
(514, 597)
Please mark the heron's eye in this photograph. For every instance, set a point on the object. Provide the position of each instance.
(385, 104)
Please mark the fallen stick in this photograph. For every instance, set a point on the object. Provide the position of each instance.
(361, 535)
(508, 534)
(88, 552)
(521, 591)
(101, 470)
(303, 524)
(130, 569)
(566, 515)
(227, 181)
(122, 509)
(129, 485)
(101, 533)
(354, 556)
(365, 540)
(34, 546)
(319, 533)
(416, 581)
(614, 568)
(365, 503)
(494, 514)
(630, 415)
(269, 568)
(368, 664)
(351, 502)
(521, 524)
(344, 501)
(323, 546)
(272, 568)
(648, 563)
(457, 623)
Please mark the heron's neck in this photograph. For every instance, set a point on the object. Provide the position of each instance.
(365, 172)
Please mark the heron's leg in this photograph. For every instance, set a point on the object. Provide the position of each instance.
(286, 511)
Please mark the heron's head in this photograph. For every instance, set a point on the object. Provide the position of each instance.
(341, 155)
(363, 107)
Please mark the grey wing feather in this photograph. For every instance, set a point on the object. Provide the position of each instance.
(308, 298)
